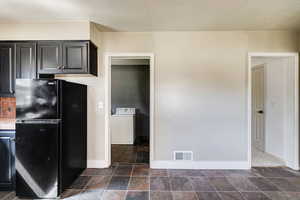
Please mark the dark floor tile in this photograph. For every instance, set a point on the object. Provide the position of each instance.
(274, 172)
(242, 184)
(241, 173)
(132, 195)
(184, 172)
(80, 182)
(184, 196)
(118, 183)
(277, 195)
(3, 194)
(139, 183)
(231, 196)
(178, 172)
(159, 172)
(201, 184)
(221, 184)
(181, 184)
(296, 182)
(157, 195)
(140, 170)
(96, 172)
(98, 182)
(195, 173)
(142, 157)
(294, 172)
(213, 173)
(255, 196)
(285, 184)
(138, 153)
(208, 196)
(91, 195)
(12, 196)
(160, 183)
(70, 193)
(293, 195)
(286, 172)
(114, 195)
(123, 170)
(126, 158)
(263, 184)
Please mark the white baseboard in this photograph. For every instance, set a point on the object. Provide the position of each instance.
(171, 164)
(97, 164)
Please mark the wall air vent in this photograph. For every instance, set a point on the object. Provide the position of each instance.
(183, 155)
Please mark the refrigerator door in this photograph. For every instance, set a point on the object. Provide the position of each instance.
(37, 159)
(37, 99)
(74, 128)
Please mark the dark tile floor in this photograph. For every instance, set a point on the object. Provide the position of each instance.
(130, 154)
(138, 182)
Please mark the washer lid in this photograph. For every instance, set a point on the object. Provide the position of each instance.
(125, 111)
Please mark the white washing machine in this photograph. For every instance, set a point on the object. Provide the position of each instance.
(123, 126)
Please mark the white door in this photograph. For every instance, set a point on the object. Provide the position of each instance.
(258, 99)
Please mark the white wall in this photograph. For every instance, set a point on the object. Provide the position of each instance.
(200, 89)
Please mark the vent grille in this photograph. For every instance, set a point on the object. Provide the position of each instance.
(183, 155)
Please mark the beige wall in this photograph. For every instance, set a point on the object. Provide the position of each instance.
(200, 87)
(299, 42)
(273, 41)
(75, 30)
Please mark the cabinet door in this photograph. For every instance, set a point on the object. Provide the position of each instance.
(7, 69)
(6, 160)
(49, 57)
(26, 60)
(75, 57)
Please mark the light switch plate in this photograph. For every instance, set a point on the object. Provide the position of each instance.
(100, 105)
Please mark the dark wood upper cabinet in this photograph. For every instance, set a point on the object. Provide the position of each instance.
(49, 57)
(26, 60)
(75, 59)
(7, 69)
(67, 57)
(44, 59)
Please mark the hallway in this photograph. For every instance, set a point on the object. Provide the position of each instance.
(264, 159)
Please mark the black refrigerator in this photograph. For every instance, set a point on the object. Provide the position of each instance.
(51, 136)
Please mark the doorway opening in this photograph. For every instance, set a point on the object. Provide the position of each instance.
(129, 108)
(273, 110)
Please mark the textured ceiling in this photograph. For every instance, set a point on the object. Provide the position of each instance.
(164, 15)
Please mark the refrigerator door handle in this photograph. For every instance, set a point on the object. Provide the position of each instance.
(44, 121)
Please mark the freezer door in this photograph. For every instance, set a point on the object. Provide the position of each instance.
(37, 159)
(37, 99)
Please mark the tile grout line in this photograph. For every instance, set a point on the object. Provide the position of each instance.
(130, 178)
(237, 190)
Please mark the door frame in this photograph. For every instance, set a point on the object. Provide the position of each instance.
(295, 163)
(264, 100)
(107, 77)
